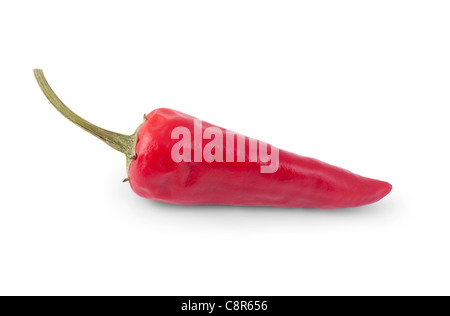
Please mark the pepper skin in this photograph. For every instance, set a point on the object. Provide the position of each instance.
(299, 182)
(153, 173)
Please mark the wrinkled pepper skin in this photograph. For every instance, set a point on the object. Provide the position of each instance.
(299, 182)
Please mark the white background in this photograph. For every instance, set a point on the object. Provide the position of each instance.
(364, 85)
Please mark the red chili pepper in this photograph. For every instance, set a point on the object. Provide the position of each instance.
(174, 158)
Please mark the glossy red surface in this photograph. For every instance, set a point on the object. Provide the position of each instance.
(298, 182)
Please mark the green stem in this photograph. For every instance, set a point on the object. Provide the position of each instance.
(123, 143)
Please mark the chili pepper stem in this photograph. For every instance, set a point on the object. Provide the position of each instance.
(123, 143)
